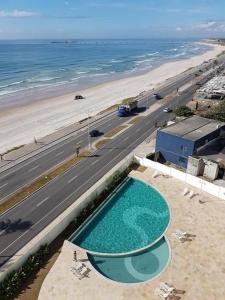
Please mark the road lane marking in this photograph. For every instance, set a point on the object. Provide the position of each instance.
(72, 179)
(40, 203)
(58, 154)
(110, 150)
(2, 186)
(59, 204)
(94, 162)
(2, 232)
(34, 168)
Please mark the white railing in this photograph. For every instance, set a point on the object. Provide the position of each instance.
(197, 182)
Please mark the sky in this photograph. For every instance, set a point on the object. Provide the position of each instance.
(31, 19)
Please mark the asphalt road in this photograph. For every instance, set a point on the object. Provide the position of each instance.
(23, 222)
(25, 172)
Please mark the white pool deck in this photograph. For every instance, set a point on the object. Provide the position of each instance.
(197, 267)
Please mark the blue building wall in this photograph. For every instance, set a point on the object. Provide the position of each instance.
(211, 136)
(174, 148)
(177, 149)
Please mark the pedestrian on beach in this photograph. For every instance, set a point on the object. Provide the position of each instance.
(35, 140)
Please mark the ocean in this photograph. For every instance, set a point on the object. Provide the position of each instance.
(38, 69)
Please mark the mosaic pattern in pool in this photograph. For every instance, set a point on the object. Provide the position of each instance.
(134, 217)
(133, 268)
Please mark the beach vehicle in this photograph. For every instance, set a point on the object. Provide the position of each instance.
(127, 107)
(94, 133)
(78, 97)
(167, 110)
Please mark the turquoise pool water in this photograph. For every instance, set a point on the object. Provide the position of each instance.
(134, 268)
(134, 217)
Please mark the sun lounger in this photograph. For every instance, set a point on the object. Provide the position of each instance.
(80, 270)
(185, 192)
(191, 194)
(166, 287)
(179, 235)
(78, 266)
(155, 174)
(161, 293)
(180, 232)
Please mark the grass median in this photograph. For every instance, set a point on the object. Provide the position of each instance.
(136, 120)
(41, 181)
(114, 131)
(102, 143)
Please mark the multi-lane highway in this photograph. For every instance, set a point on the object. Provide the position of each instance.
(24, 221)
(25, 172)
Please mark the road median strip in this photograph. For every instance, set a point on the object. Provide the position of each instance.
(136, 120)
(114, 131)
(41, 181)
(102, 143)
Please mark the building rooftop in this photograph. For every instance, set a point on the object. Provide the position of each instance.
(193, 128)
(214, 86)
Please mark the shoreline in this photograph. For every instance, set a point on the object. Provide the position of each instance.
(31, 95)
(20, 125)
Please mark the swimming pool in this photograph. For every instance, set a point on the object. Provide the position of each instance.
(134, 268)
(133, 218)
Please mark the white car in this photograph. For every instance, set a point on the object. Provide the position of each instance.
(167, 110)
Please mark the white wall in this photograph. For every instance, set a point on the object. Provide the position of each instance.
(187, 178)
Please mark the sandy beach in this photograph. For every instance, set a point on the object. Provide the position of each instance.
(19, 126)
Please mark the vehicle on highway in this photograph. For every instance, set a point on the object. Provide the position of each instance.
(127, 107)
(94, 133)
(167, 110)
(157, 96)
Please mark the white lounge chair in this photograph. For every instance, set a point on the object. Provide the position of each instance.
(80, 270)
(161, 293)
(191, 194)
(78, 266)
(155, 174)
(185, 192)
(166, 287)
(181, 233)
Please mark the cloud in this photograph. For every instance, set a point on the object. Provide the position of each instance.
(179, 28)
(211, 26)
(109, 5)
(16, 14)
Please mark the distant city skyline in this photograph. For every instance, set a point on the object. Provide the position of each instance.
(23, 19)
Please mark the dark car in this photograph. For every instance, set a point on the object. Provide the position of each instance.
(157, 96)
(94, 133)
(79, 97)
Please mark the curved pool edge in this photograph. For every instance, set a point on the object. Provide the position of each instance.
(86, 223)
(136, 283)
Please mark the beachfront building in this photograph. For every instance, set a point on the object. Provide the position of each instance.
(214, 89)
(186, 138)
